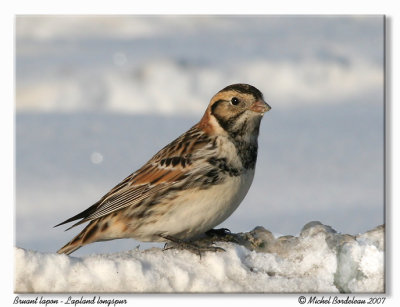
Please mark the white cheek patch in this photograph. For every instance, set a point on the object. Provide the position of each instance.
(217, 127)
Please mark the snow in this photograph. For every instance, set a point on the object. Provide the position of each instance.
(289, 83)
(172, 65)
(319, 259)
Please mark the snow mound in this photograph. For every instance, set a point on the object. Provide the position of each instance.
(318, 260)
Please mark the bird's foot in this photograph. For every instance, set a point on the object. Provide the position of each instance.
(222, 234)
(190, 246)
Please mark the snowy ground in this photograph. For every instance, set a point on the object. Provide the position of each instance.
(318, 260)
(172, 65)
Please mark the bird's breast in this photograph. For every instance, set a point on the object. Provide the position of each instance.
(203, 209)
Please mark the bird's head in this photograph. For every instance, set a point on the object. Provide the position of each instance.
(236, 110)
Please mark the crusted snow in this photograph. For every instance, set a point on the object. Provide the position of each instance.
(318, 260)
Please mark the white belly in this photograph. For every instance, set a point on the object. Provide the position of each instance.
(201, 210)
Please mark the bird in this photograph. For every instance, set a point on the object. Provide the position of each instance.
(191, 185)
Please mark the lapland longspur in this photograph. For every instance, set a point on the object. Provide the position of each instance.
(191, 185)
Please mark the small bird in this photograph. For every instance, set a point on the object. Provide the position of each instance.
(191, 185)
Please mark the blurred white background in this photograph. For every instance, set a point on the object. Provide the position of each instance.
(97, 96)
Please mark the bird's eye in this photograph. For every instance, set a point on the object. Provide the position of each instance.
(235, 101)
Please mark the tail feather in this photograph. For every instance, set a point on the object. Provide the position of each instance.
(68, 248)
(86, 236)
(74, 244)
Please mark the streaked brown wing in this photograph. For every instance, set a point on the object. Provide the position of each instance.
(132, 195)
(168, 167)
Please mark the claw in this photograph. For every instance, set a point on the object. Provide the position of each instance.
(221, 232)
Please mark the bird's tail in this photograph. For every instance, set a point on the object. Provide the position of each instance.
(68, 248)
(86, 236)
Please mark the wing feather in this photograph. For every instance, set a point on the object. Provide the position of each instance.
(167, 168)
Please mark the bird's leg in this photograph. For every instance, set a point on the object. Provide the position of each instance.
(190, 246)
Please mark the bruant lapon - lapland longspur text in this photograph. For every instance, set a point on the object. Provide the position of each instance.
(191, 185)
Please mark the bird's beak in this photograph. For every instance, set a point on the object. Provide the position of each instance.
(260, 106)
